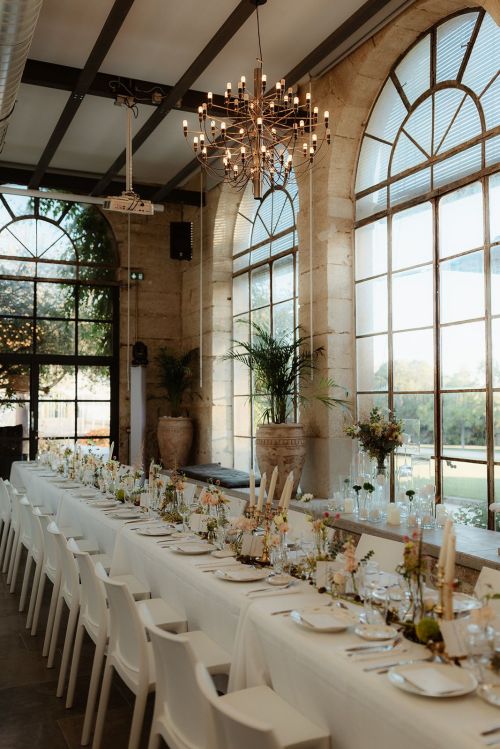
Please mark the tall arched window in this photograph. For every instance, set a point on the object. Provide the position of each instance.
(58, 321)
(265, 290)
(428, 260)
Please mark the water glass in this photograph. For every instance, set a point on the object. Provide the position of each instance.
(374, 612)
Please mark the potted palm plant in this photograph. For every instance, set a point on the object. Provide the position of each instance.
(175, 432)
(283, 369)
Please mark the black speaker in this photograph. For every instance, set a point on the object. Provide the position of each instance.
(181, 240)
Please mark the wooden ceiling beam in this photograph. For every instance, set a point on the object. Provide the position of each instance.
(105, 85)
(231, 25)
(108, 33)
(81, 184)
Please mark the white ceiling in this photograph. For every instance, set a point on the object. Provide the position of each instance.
(157, 42)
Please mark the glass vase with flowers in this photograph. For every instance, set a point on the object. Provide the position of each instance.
(378, 436)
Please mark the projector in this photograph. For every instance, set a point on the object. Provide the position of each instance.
(129, 202)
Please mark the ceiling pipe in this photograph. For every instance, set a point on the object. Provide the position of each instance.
(18, 19)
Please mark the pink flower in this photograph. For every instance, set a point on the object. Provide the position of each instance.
(326, 514)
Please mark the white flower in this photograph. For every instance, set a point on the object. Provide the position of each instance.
(307, 497)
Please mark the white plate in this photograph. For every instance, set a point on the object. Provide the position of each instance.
(247, 575)
(332, 620)
(86, 495)
(105, 503)
(126, 514)
(375, 632)
(194, 547)
(466, 682)
(155, 531)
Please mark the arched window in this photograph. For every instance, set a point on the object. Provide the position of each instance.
(428, 261)
(265, 290)
(58, 332)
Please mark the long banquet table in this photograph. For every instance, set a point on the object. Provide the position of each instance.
(310, 670)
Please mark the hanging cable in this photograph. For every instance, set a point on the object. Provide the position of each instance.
(311, 312)
(201, 278)
(128, 302)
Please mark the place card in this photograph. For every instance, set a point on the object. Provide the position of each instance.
(325, 572)
(198, 522)
(453, 636)
(251, 545)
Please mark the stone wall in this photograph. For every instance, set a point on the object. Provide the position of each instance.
(169, 298)
(155, 307)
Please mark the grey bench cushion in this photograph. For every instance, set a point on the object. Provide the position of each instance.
(228, 477)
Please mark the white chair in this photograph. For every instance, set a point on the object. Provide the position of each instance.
(12, 538)
(35, 554)
(256, 717)
(22, 539)
(93, 619)
(5, 515)
(39, 559)
(387, 553)
(131, 656)
(178, 698)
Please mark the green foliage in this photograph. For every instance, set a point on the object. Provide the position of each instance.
(281, 364)
(177, 376)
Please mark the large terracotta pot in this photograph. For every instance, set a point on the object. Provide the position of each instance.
(281, 445)
(175, 437)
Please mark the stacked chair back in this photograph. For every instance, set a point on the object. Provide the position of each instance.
(178, 697)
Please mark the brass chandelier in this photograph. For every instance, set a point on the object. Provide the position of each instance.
(258, 137)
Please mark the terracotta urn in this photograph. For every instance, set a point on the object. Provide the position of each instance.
(175, 437)
(282, 445)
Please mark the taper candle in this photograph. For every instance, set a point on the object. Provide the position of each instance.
(272, 486)
(262, 489)
(252, 487)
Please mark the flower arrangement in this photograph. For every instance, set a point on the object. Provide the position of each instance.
(307, 497)
(280, 522)
(319, 527)
(379, 437)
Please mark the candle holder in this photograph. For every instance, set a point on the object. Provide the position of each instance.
(263, 519)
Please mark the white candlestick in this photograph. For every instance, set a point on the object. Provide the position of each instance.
(252, 487)
(449, 573)
(111, 448)
(272, 485)
(289, 489)
(262, 489)
(444, 544)
(348, 504)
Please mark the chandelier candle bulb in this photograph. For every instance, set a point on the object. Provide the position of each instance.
(185, 127)
(210, 97)
(296, 102)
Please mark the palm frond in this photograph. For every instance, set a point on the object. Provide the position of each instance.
(280, 364)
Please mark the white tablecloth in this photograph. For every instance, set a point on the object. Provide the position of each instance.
(310, 670)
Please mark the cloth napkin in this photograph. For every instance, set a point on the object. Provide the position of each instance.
(431, 680)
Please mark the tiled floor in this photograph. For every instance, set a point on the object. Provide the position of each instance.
(30, 713)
